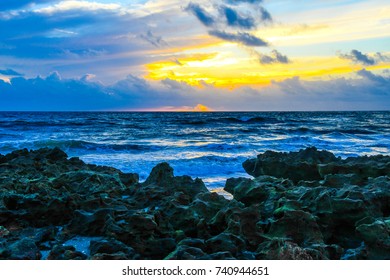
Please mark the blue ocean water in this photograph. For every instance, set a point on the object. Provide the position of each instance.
(211, 146)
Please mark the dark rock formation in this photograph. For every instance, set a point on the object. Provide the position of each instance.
(300, 205)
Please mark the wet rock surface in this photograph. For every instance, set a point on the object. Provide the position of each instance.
(299, 205)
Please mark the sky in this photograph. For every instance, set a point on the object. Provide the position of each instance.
(179, 55)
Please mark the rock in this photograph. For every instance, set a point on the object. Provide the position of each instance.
(157, 249)
(161, 175)
(193, 242)
(247, 191)
(376, 236)
(340, 180)
(231, 183)
(298, 226)
(88, 182)
(24, 249)
(225, 242)
(280, 249)
(89, 224)
(184, 252)
(296, 166)
(60, 252)
(206, 205)
(362, 167)
(3, 232)
(113, 256)
(226, 255)
(300, 205)
(111, 249)
(359, 253)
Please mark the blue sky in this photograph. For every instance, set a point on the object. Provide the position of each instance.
(178, 55)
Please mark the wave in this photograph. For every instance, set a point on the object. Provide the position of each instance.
(323, 131)
(92, 146)
(193, 122)
(223, 119)
(245, 119)
(222, 147)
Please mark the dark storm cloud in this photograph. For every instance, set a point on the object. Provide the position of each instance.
(359, 58)
(239, 37)
(155, 40)
(201, 14)
(233, 18)
(9, 72)
(274, 57)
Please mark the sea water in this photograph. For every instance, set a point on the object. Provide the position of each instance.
(211, 146)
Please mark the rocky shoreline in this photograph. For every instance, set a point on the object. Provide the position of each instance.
(299, 205)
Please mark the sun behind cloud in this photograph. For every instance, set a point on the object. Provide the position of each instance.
(201, 108)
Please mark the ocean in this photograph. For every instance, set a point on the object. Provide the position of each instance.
(211, 146)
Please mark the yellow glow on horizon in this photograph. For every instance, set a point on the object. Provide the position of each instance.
(229, 72)
(197, 108)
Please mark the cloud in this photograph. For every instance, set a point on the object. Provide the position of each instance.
(65, 6)
(237, 2)
(368, 91)
(234, 17)
(236, 20)
(87, 77)
(177, 85)
(359, 58)
(379, 57)
(9, 72)
(372, 77)
(156, 41)
(204, 17)
(239, 37)
(274, 57)
(265, 15)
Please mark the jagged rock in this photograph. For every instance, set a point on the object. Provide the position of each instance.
(184, 252)
(60, 252)
(88, 182)
(340, 180)
(162, 176)
(376, 236)
(3, 231)
(89, 224)
(280, 249)
(248, 191)
(157, 249)
(226, 255)
(113, 256)
(24, 249)
(300, 205)
(110, 249)
(193, 242)
(225, 242)
(297, 225)
(358, 253)
(296, 166)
